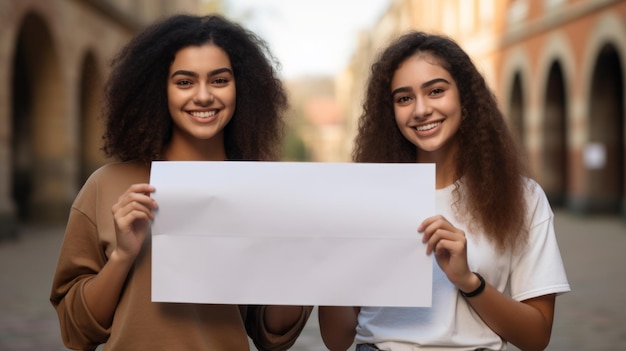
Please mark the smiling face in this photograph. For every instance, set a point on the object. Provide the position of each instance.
(427, 106)
(201, 99)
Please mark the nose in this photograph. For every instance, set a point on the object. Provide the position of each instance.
(422, 108)
(203, 95)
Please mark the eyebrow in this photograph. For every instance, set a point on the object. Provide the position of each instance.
(196, 75)
(424, 85)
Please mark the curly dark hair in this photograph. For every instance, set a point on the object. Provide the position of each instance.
(137, 119)
(488, 160)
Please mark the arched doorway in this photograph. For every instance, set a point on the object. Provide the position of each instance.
(39, 145)
(22, 133)
(605, 178)
(554, 147)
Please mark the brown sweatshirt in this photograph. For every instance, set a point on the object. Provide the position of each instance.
(139, 323)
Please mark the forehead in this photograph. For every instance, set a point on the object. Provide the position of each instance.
(201, 57)
(419, 68)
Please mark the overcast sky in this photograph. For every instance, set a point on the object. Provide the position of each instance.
(309, 37)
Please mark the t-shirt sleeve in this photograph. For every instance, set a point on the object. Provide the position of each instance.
(539, 269)
(267, 341)
(80, 259)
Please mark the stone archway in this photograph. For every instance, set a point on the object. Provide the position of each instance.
(22, 160)
(554, 129)
(605, 170)
(39, 142)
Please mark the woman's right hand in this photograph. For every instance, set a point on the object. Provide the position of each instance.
(449, 245)
(132, 214)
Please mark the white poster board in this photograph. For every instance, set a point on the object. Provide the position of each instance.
(291, 233)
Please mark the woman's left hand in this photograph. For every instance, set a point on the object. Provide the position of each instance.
(450, 247)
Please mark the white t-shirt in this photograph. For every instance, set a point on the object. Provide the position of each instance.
(451, 323)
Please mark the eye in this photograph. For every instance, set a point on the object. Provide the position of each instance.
(221, 81)
(436, 91)
(403, 99)
(183, 83)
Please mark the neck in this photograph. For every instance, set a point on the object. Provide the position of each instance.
(195, 150)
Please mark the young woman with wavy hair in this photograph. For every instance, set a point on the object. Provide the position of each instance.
(498, 266)
(187, 88)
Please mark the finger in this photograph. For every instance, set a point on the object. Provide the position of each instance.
(142, 198)
(447, 246)
(441, 252)
(429, 221)
(132, 221)
(433, 239)
(129, 198)
(132, 209)
(127, 214)
(445, 234)
(138, 192)
(435, 225)
(143, 188)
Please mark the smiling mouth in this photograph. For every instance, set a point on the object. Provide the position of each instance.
(204, 114)
(428, 126)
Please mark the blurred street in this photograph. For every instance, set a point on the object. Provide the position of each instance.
(591, 317)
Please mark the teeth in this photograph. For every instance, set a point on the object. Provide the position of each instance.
(204, 114)
(427, 126)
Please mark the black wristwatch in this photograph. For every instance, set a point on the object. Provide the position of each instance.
(478, 290)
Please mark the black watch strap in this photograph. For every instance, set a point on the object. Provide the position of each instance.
(478, 290)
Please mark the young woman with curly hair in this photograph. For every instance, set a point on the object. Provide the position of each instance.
(185, 88)
(498, 263)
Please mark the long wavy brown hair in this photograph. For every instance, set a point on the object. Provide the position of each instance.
(489, 164)
(137, 119)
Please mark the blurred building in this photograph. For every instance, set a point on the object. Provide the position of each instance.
(557, 68)
(316, 118)
(54, 57)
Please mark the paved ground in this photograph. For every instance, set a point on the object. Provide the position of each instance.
(591, 317)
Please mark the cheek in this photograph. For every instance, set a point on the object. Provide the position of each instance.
(171, 97)
(226, 96)
(402, 116)
(170, 101)
(177, 98)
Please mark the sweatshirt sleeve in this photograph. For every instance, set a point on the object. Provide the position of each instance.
(266, 341)
(80, 259)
